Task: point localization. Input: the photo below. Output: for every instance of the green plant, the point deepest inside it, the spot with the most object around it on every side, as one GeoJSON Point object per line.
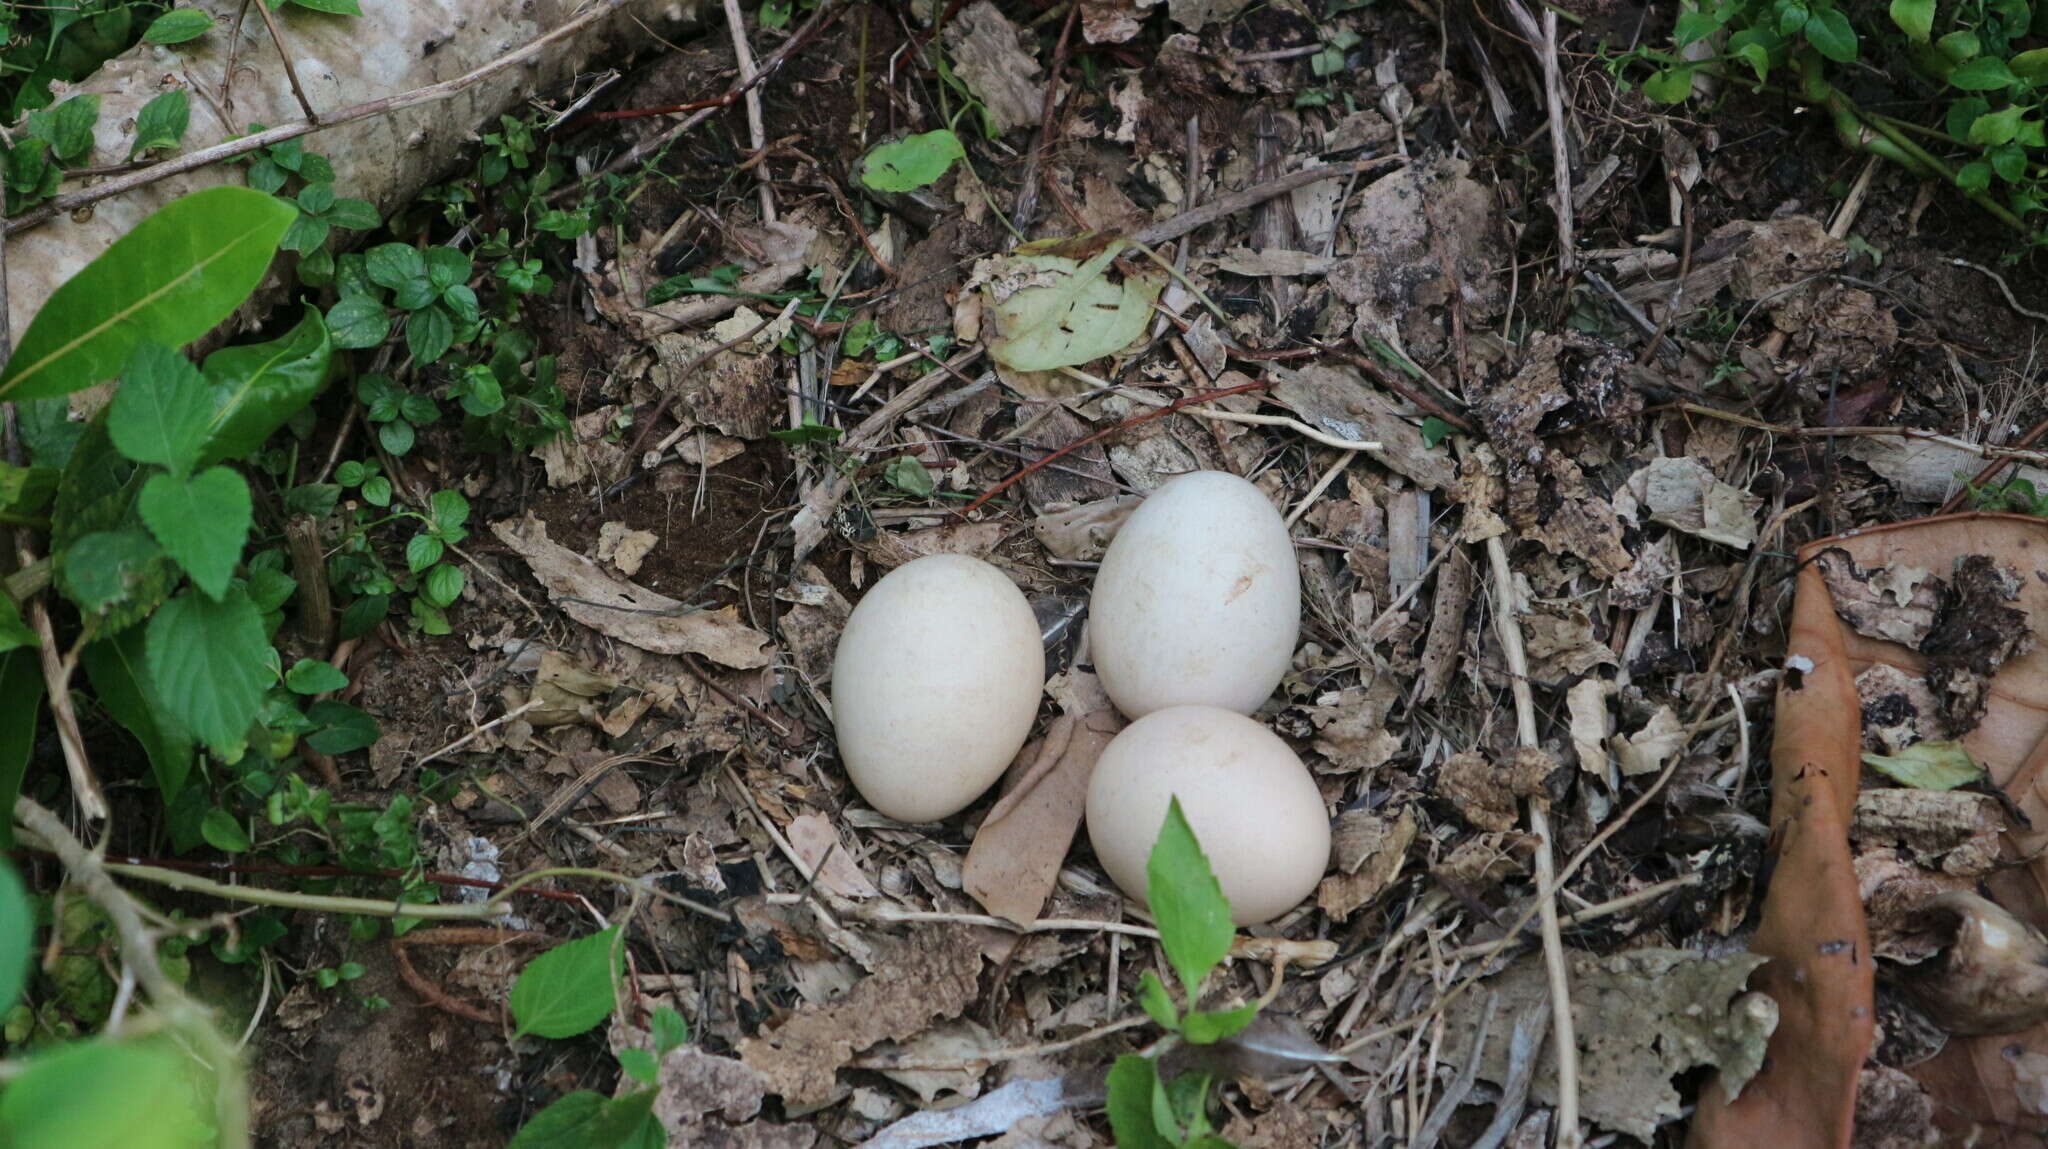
{"type": "Point", "coordinates": [1972, 55]}
{"type": "Point", "coordinates": [41, 44]}
{"type": "Point", "coordinates": [1147, 1111]}
{"type": "Point", "coordinates": [2016, 495]}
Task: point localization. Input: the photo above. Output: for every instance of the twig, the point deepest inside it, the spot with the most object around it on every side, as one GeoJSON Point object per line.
{"type": "Point", "coordinates": [888, 1062]}
{"type": "Point", "coordinates": [284, 53]}
{"type": "Point", "coordinates": [2003, 289]}
{"type": "Point", "coordinates": [1219, 209]}
{"type": "Point", "coordinates": [204, 867]}
{"type": "Point", "coordinates": [1026, 210]}
{"type": "Point", "coordinates": [434, 994]}
{"type": "Point", "coordinates": [70, 202]}
{"type": "Point", "coordinates": [466, 739]}
{"type": "Point", "coordinates": [1543, 41]}
{"type": "Point", "coordinates": [1992, 468]}
{"type": "Point", "coordinates": [757, 132]}
{"type": "Point", "coordinates": [1564, 1042]}
{"type": "Point", "coordinates": [1392, 382]}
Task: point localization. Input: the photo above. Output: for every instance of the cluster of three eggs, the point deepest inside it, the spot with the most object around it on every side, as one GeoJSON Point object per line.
{"type": "Point", "coordinates": [1192, 623]}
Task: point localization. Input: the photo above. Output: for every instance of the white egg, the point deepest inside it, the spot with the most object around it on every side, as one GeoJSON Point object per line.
{"type": "Point", "coordinates": [1198, 600]}
{"type": "Point", "coordinates": [935, 685]}
{"type": "Point", "coordinates": [1250, 801]}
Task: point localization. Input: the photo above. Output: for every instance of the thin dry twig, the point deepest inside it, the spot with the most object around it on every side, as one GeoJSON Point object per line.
{"type": "Point", "coordinates": [1224, 207]}
{"type": "Point", "coordinates": [1543, 41]}
{"type": "Point", "coordinates": [757, 130]}
{"type": "Point", "coordinates": [284, 54]}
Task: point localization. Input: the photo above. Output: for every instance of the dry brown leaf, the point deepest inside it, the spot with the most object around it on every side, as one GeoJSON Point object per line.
{"type": "Point", "coordinates": [1369, 849]}
{"type": "Point", "coordinates": [818, 843]}
{"type": "Point", "coordinates": [704, 1099]}
{"type": "Point", "coordinates": [1591, 724]}
{"type": "Point", "coordinates": [1082, 533]}
{"type": "Point", "coordinates": [627, 611]}
{"type": "Point", "coordinates": [1955, 830]}
{"type": "Point", "coordinates": [1683, 493]}
{"type": "Point", "coordinates": [932, 973]}
{"type": "Point", "coordinates": [1488, 796]}
{"type": "Point", "coordinates": [1338, 401]}
{"type": "Point", "coordinates": [988, 57]}
{"type": "Point", "coordinates": [624, 547]}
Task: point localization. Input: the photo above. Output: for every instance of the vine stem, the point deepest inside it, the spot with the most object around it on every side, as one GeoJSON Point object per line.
{"type": "Point", "coordinates": [191, 1021]}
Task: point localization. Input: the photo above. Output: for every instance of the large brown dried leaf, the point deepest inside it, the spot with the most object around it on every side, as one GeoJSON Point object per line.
{"type": "Point", "coordinates": [628, 611]}
{"type": "Point", "coordinates": [930, 974]}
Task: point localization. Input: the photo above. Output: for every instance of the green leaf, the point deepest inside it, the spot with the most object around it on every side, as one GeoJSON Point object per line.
{"type": "Point", "coordinates": [1187, 902]}
{"type": "Point", "coordinates": [1132, 1082]}
{"type": "Point", "coordinates": [2009, 161]}
{"type": "Point", "coordinates": [429, 334]}
{"type": "Point", "coordinates": [168, 281]}
{"type": "Point", "coordinates": [26, 490]}
{"type": "Point", "coordinates": [312, 676]}
{"type": "Point", "coordinates": [449, 511]}
{"type": "Point", "coordinates": [306, 235]}
{"type": "Point", "coordinates": [358, 321]}
{"type": "Point", "coordinates": [422, 551]}
{"type": "Point", "coordinates": [669, 1028]}
{"type": "Point", "coordinates": [162, 412]}
{"type": "Point", "coordinates": [202, 522]}
{"type": "Point", "coordinates": [257, 387]}
{"type": "Point", "coordinates": [178, 25]}
{"type": "Point", "coordinates": [1435, 430]}
{"type": "Point", "coordinates": [210, 662]}
{"type": "Point", "coordinates": [1158, 1004]}
{"type": "Point", "coordinates": [908, 475]}
{"type": "Point", "coordinates": [1694, 26]}
{"type": "Point", "coordinates": [1829, 32]}
{"type": "Point", "coordinates": [354, 214]}
{"type": "Point", "coordinates": [640, 1065]}
{"type": "Point", "coordinates": [1974, 176]}
{"type": "Point", "coordinates": [17, 932]}
{"type": "Point", "coordinates": [1915, 18]}
{"type": "Point", "coordinates": [224, 832]}
{"type": "Point", "coordinates": [2031, 65]}
{"type": "Point", "coordinates": [1983, 74]}
{"type": "Point", "coordinates": [162, 122]}
{"type": "Point", "coordinates": [447, 267]}
{"type": "Point", "coordinates": [912, 162]}
{"type": "Point", "coordinates": [570, 988]}
{"type": "Point", "coordinates": [15, 633]}
{"type": "Point", "coordinates": [67, 127]}
{"type": "Point", "coordinates": [109, 569]}
{"type": "Point", "coordinates": [332, 7]}
{"type": "Point", "coordinates": [1959, 46]}
{"type": "Point", "coordinates": [1997, 127]}
{"type": "Point", "coordinates": [1928, 766]}
{"type": "Point", "coordinates": [401, 268]}
{"type": "Point", "coordinates": [344, 728]}
{"type": "Point", "coordinates": [21, 704]}
{"type": "Point", "coordinates": [107, 1094]}
{"type": "Point", "coordinates": [397, 436]}
{"type": "Point", "coordinates": [120, 680]}
{"type": "Point", "coordinates": [1757, 57]}
{"type": "Point", "coordinates": [443, 585]}
{"type": "Point", "coordinates": [1670, 86]}
{"type": "Point", "coordinates": [1077, 317]}
{"type": "Point", "coordinates": [1205, 1028]}
{"type": "Point", "coordinates": [586, 1120]}
{"type": "Point", "coordinates": [809, 434]}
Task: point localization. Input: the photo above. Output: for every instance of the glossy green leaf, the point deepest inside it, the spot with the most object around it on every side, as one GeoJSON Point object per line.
{"type": "Point", "coordinates": [120, 573]}
{"type": "Point", "coordinates": [1928, 766]}
{"type": "Point", "coordinates": [120, 680]}
{"type": "Point", "coordinates": [358, 321]}
{"type": "Point", "coordinates": [587, 1120]}
{"type": "Point", "coordinates": [1830, 34]}
{"type": "Point", "coordinates": [106, 1094]}
{"type": "Point", "coordinates": [313, 676]}
{"type": "Point", "coordinates": [17, 933]}
{"type": "Point", "coordinates": [224, 832]}
{"type": "Point", "coordinates": [202, 521]}
{"type": "Point", "coordinates": [1206, 1028]}
{"type": "Point", "coordinates": [21, 704]}
{"type": "Point", "coordinates": [423, 550]}
{"type": "Point", "coordinates": [429, 334]}
{"type": "Point", "coordinates": [1157, 1003]}
{"type": "Point", "coordinates": [570, 988]}
{"type": "Point", "coordinates": [1915, 18]}
{"type": "Point", "coordinates": [168, 281]}
{"type": "Point", "coordinates": [162, 412]}
{"type": "Point", "coordinates": [912, 162]}
{"type": "Point", "coordinates": [1670, 86]}
{"type": "Point", "coordinates": [402, 269]}
{"type": "Point", "coordinates": [1187, 902]}
{"type": "Point", "coordinates": [210, 662]}
{"type": "Point", "coordinates": [178, 25]}
{"type": "Point", "coordinates": [1983, 74]}
{"type": "Point", "coordinates": [443, 585]}
{"type": "Point", "coordinates": [67, 127]}
{"type": "Point", "coordinates": [162, 122]}
{"type": "Point", "coordinates": [257, 387]}
{"type": "Point", "coordinates": [1132, 1082]}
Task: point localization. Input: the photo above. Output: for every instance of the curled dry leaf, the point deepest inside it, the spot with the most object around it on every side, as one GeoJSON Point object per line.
{"type": "Point", "coordinates": [627, 611]}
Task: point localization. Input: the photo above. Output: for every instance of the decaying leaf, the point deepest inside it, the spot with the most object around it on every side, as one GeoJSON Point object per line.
{"type": "Point", "coordinates": [820, 846]}
{"type": "Point", "coordinates": [627, 611]}
{"type": "Point", "coordinates": [1368, 849]}
{"type": "Point", "coordinates": [1928, 766]}
{"type": "Point", "coordinates": [1647, 750]}
{"type": "Point", "coordinates": [988, 57]}
{"type": "Point", "coordinates": [1956, 831]}
{"type": "Point", "coordinates": [930, 974]}
{"type": "Point", "coordinates": [1643, 1017]}
{"type": "Point", "coordinates": [704, 1099]}
{"type": "Point", "coordinates": [1488, 795]}
{"type": "Point", "coordinates": [1683, 493]}
{"type": "Point", "coordinates": [1050, 309]}
{"type": "Point", "coordinates": [1894, 603]}
{"type": "Point", "coordinates": [1081, 533]}
{"type": "Point", "coordinates": [1591, 724]}
{"type": "Point", "coordinates": [624, 547]}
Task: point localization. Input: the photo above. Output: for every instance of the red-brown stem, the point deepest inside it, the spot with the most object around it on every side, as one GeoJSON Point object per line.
{"type": "Point", "coordinates": [195, 867]}
{"type": "Point", "coordinates": [1170, 408]}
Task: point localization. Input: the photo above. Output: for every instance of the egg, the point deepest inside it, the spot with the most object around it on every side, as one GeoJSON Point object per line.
{"type": "Point", "coordinates": [1250, 801]}
{"type": "Point", "coordinates": [935, 684]}
{"type": "Point", "coordinates": [1198, 600]}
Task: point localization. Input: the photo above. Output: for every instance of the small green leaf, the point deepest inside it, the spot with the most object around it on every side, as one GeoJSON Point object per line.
{"type": "Point", "coordinates": [669, 1028]}
{"type": "Point", "coordinates": [15, 633]}
{"type": "Point", "coordinates": [1435, 430]}
{"type": "Point", "coordinates": [587, 1120]}
{"type": "Point", "coordinates": [447, 267]}
{"type": "Point", "coordinates": [429, 334]}
{"type": "Point", "coordinates": [306, 235]}
{"type": "Point", "coordinates": [1928, 766]}
{"type": "Point", "coordinates": [2009, 161]}
{"type": "Point", "coordinates": [570, 988]}
{"type": "Point", "coordinates": [1757, 57]}
{"type": "Point", "coordinates": [403, 270]}
{"type": "Point", "coordinates": [450, 511]}
{"type": "Point", "coordinates": [1205, 1028]}
{"type": "Point", "coordinates": [202, 522]}
{"type": "Point", "coordinates": [912, 162]}
{"type": "Point", "coordinates": [2031, 65]}
{"type": "Point", "coordinates": [810, 433]}
{"type": "Point", "coordinates": [257, 387]}
{"type": "Point", "coordinates": [343, 728]}
{"type": "Point", "coordinates": [1157, 1003]}
{"type": "Point", "coordinates": [1670, 86]}
{"type": "Point", "coordinates": [443, 585]}
{"type": "Point", "coordinates": [354, 214]}
{"type": "Point", "coordinates": [1959, 45]}
{"type": "Point", "coordinates": [120, 680]}
{"type": "Point", "coordinates": [162, 122]}
{"type": "Point", "coordinates": [162, 412]}
{"type": "Point", "coordinates": [108, 569]}
{"type": "Point", "coordinates": [332, 7]}
{"type": "Point", "coordinates": [67, 127]}
{"type": "Point", "coordinates": [312, 676]}
{"type": "Point", "coordinates": [1999, 127]}
{"type": "Point", "coordinates": [178, 25]}
{"type": "Point", "coordinates": [1983, 74]}
{"type": "Point", "coordinates": [1829, 32]}
{"type": "Point", "coordinates": [1974, 176]}
{"type": "Point", "coordinates": [211, 663]}
{"type": "Point", "coordinates": [640, 1065]}
{"type": "Point", "coordinates": [1132, 1082]}
{"type": "Point", "coordinates": [1187, 902]}
{"type": "Point", "coordinates": [908, 475]}
{"type": "Point", "coordinates": [397, 437]}
{"type": "Point", "coordinates": [1915, 18]}
{"type": "Point", "coordinates": [1694, 26]}
{"type": "Point", "coordinates": [17, 933]}
{"type": "Point", "coordinates": [358, 321]}
{"type": "Point", "coordinates": [224, 832]}
{"type": "Point", "coordinates": [168, 281]}
{"type": "Point", "coordinates": [422, 551]}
